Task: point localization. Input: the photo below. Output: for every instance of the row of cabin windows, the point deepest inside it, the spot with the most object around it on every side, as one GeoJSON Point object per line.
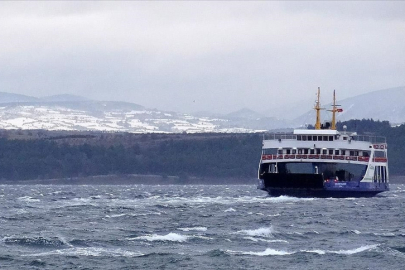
{"type": "Point", "coordinates": [314, 138]}
{"type": "Point", "coordinates": [317, 151]}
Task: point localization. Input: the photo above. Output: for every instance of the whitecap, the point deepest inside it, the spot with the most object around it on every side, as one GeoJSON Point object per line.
{"type": "Point", "coordinates": [201, 229]}
{"type": "Point", "coordinates": [384, 234]}
{"type": "Point", "coordinates": [173, 237]}
{"type": "Point", "coordinates": [283, 199]}
{"type": "Point", "coordinates": [89, 251]}
{"type": "Point", "coordinates": [267, 252]}
{"type": "Point", "coordinates": [356, 250]}
{"type": "Point", "coordinates": [343, 252]}
{"type": "Point", "coordinates": [116, 215]}
{"type": "Point", "coordinates": [275, 215]}
{"type": "Point", "coordinates": [28, 199]}
{"type": "Point", "coordinates": [265, 240]}
{"type": "Point", "coordinates": [265, 232]}
{"type": "Point", "coordinates": [230, 210]}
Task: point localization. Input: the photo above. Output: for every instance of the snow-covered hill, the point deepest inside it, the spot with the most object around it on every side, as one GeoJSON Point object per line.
{"type": "Point", "coordinates": [66, 112]}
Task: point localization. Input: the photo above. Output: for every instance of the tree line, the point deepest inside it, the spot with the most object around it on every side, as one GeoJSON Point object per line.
{"type": "Point", "coordinates": [201, 155]}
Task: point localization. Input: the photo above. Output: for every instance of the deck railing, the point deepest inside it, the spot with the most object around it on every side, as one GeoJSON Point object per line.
{"type": "Point", "coordinates": [316, 156]}
{"type": "Point", "coordinates": [291, 136]}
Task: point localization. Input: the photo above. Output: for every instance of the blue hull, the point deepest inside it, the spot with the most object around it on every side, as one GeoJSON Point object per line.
{"type": "Point", "coordinates": [321, 193]}
{"type": "Point", "coordinates": [312, 185]}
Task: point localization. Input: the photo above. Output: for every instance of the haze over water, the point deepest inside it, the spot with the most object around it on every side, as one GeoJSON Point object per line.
{"type": "Point", "coordinates": [196, 226]}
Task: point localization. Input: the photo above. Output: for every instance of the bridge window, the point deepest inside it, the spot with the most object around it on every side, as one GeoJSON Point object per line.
{"type": "Point", "coordinates": [319, 138]}
{"type": "Point", "coordinates": [379, 154]}
{"type": "Point", "coordinates": [354, 153]}
{"type": "Point", "coordinates": [330, 138]}
{"type": "Point", "coordinates": [269, 151]}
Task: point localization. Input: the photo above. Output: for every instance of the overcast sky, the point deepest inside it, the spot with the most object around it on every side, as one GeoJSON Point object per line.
{"type": "Point", "coordinates": [202, 56]}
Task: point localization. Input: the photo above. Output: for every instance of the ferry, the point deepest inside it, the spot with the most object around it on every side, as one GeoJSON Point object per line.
{"type": "Point", "coordinates": [323, 162]}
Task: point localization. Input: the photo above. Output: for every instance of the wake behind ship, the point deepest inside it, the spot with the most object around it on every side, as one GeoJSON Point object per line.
{"type": "Point", "coordinates": [323, 162]}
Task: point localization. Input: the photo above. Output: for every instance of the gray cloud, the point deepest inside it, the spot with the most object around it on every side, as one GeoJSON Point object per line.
{"type": "Point", "coordinates": [192, 56]}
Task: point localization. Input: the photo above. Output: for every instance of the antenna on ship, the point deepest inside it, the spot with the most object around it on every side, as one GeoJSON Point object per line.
{"type": "Point", "coordinates": [334, 111]}
{"type": "Point", "coordinates": [318, 110]}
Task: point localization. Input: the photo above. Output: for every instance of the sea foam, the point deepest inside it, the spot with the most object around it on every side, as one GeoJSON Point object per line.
{"type": "Point", "coordinates": [267, 252]}
{"type": "Point", "coordinates": [89, 251]}
{"type": "Point", "coordinates": [275, 252]}
{"type": "Point", "coordinates": [201, 229]}
{"type": "Point", "coordinates": [264, 232]}
{"type": "Point", "coordinates": [343, 252]}
{"type": "Point", "coordinates": [173, 237]}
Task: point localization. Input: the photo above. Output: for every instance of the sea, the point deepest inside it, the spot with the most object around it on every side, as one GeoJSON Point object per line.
{"type": "Point", "coordinates": [196, 227]}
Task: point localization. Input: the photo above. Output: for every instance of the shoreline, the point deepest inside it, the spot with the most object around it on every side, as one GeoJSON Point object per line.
{"type": "Point", "coordinates": [135, 179]}
{"type": "Point", "coordinates": [138, 179]}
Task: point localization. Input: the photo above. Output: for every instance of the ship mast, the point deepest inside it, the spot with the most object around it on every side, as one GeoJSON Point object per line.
{"type": "Point", "coordinates": [318, 111]}
{"type": "Point", "coordinates": [334, 111]}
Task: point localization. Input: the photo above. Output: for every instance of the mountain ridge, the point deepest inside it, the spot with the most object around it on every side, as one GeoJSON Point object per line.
{"type": "Point", "coordinates": [70, 112]}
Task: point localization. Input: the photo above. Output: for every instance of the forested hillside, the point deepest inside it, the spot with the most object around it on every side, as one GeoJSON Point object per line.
{"type": "Point", "coordinates": [202, 155]}
{"type": "Point", "coordinates": [48, 155]}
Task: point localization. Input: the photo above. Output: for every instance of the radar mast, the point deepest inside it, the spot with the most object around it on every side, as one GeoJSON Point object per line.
{"type": "Point", "coordinates": [334, 110]}
{"type": "Point", "coordinates": [318, 110]}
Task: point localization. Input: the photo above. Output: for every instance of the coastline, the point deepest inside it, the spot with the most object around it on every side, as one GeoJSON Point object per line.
{"type": "Point", "coordinates": [139, 179]}
{"type": "Point", "coordinates": [135, 179]}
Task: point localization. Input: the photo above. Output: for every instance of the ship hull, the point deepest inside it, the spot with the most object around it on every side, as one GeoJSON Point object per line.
{"type": "Point", "coordinates": [313, 185]}
{"type": "Point", "coordinates": [319, 193]}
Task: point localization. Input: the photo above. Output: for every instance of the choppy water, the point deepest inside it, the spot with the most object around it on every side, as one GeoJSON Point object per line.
{"type": "Point", "coordinates": [196, 227]}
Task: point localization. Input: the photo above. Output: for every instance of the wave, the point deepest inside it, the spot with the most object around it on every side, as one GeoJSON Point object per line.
{"type": "Point", "coordinates": [35, 241]}
{"type": "Point", "coordinates": [28, 199]}
{"type": "Point", "coordinates": [89, 251]}
{"type": "Point", "coordinates": [133, 214]}
{"type": "Point", "coordinates": [168, 202]}
{"type": "Point", "coordinates": [275, 252]}
{"type": "Point", "coordinates": [343, 252]}
{"type": "Point", "coordinates": [172, 237]}
{"type": "Point", "coordinates": [201, 229]}
{"type": "Point", "coordinates": [385, 234]}
{"type": "Point", "coordinates": [282, 199]}
{"type": "Point", "coordinates": [264, 232]}
{"type": "Point", "coordinates": [265, 240]}
{"type": "Point", "coordinates": [267, 252]}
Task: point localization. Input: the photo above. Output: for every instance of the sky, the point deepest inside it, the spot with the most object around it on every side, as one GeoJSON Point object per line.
{"type": "Point", "coordinates": [202, 56]}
